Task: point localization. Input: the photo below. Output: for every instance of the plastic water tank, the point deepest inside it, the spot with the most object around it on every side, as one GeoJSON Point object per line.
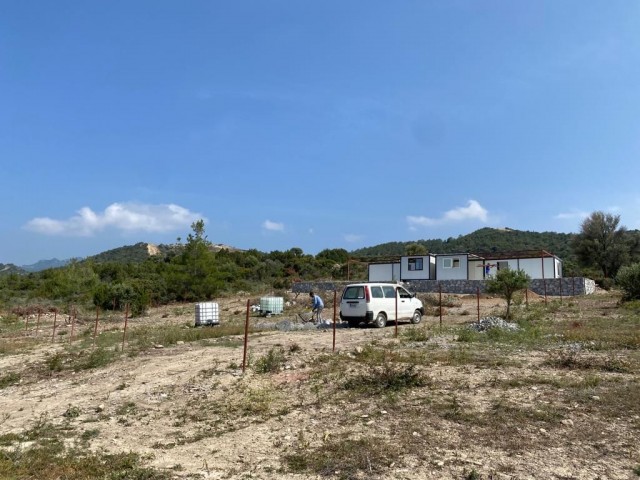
{"type": "Point", "coordinates": [207, 313]}
{"type": "Point", "coordinates": [272, 305]}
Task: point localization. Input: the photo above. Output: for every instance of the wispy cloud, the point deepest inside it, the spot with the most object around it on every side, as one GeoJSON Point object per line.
{"type": "Point", "coordinates": [273, 226]}
{"type": "Point", "coordinates": [127, 217]}
{"type": "Point", "coordinates": [352, 238]}
{"type": "Point", "coordinates": [473, 211]}
{"type": "Point", "coordinates": [572, 215]}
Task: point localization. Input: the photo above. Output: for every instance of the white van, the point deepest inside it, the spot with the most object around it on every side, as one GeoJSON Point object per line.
{"type": "Point", "coordinates": [377, 302]}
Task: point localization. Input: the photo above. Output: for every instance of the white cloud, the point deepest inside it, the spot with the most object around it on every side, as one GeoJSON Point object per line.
{"type": "Point", "coordinates": [573, 215]}
{"type": "Point", "coordinates": [273, 226]}
{"type": "Point", "coordinates": [127, 217]}
{"type": "Point", "coordinates": [352, 238]}
{"type": "Point", "coordinates": [473, 211]}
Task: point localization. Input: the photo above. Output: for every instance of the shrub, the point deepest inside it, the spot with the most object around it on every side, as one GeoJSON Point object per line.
{"type": "Point", "coordinates": [272, 362]}
{"type": "Point", "coordinates": [506, 283]}
{"type": "Point", "coordinates": [628, 279]}
{"type": "Point", "coordinates": [10, 378]}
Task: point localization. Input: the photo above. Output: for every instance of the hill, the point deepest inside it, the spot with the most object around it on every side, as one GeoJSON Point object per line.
{"type": "Point", "coordinates": [142, 251]}
{"type": "Point", "coordinates": [483, 240]}
{"type": "Point", "coordinates": [44, 265]}
{"type": "Point", "coordinates": [9, 268]}
{"type": "Point", "coordinates": [137, 253]}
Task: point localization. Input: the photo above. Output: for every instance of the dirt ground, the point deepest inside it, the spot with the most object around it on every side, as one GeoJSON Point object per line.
{"type": "Point", "coordinates": [190, 409]}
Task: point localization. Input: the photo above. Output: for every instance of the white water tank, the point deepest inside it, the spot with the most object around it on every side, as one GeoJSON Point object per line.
{"type": "Point", "coordinates": [207, 313]}
{"type": "Point", "coordinates": [271, 305]}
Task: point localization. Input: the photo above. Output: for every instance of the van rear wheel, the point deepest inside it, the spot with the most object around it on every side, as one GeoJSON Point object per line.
{"type": "Point", "coordinates": [381, 320]}
{"type": "Point", "coordinates": [417, 317]}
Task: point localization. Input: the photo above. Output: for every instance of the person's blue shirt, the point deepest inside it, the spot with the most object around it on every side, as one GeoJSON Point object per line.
{"type": "Point", "coordinates": [317, 302]}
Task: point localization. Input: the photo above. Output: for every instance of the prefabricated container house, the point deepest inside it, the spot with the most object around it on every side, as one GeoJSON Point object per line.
{"type": "Point", "coordinates": [384, 272]}
{"type": "Point", "coordinates": [418, 267]}
{"type": "Point", "coordinates": [538, 264]}
{"type": "Point", "coordinates": [413, 267]}
{"type": "Point", "coordinates": [457, 266]}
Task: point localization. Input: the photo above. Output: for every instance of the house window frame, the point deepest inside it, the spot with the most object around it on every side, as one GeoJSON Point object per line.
{"type": "Point", "coordinates": [415, 264]}
{"type": "Point", "coordinates": [452, 262]}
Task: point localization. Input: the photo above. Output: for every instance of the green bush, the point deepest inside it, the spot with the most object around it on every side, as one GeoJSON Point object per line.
{"type": "Point", "coordinates": [272, 362]}
{"type": "Point", "coordinates": [628, 279]}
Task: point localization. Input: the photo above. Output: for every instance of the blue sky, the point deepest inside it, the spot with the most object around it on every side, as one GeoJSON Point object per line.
{"type": "Point", "coordinates": [329, 124]}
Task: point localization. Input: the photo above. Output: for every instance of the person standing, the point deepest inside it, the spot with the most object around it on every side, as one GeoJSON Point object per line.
{"type": "Point", "coordinates": [317, 305]}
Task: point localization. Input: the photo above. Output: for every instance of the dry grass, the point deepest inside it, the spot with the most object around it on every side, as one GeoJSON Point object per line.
{"type": "Point", "coordinates": [559, 395]}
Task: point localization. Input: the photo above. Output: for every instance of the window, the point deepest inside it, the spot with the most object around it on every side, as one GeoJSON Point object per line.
{"type": "Point", "coordinates": [503, 265]}
{"type": "Point", "coordinates": [376, 292]}
{"type": "Point", "coordinates": [415, 264]}
{"type": "Point", "coordinates": [403, 293]}
{"type": "Point", "coordinates": [353, 293]}
{"type": "Point", "coordinates": [450, 263]}
{"type": "Point", "coordinates": [389, 291]}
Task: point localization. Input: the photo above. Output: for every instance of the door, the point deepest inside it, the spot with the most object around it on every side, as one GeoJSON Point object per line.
{"type": "Point", "coordinates": [405, 303]}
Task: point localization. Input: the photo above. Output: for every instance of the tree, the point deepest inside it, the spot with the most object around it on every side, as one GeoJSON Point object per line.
{"type": "Point", "coordinates": [416, 249]}
{"type": "Point", "coordinates": [628, 279]}
{"type": "Point", "coordinates": [602, 243]}
{"type": "Point", "coordinates": [506, 283]}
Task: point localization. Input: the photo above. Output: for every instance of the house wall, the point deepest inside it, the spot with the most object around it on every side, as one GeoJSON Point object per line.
{"type": "Point", "coordinates": [384, 272]}
{"type": "Point", "coordinates": [558, 267]}
{"type": "Point", "coordinates": [533, 267]}
{"type": "Point", "coordinates": [476, 270]}
{"type": "Point", "coordinates": [459, 273]}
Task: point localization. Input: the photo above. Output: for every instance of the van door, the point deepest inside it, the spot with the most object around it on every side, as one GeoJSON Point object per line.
{"type": "Point", "coordinates": [390, 297]}
{"type": "Point", "coordinates": [354, 303]}
{"type": "Point", "coordinates": [405, 303]}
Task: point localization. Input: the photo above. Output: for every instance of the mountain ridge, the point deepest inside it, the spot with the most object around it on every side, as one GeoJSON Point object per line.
{"type": "Point", "coordinates": [482, 240]}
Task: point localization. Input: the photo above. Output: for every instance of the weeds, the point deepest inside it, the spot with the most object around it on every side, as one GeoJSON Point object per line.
{"type": "Point", "coordinates": [54, 461]}
{"type": "Point", "coordinates": [386, 378]}
{"type": "Point", "coordinates": [416, 334]}
{"type": "Point", "coordinates": [9, 379]}
{"type": "Point", "coordinates": [71, 412]}
{"type": "Point", "coordinates": [571, 359]}
{"type": "Point", "coordinates": [343, 458]}
{"type": "Point", "coordinates": [272, 362]}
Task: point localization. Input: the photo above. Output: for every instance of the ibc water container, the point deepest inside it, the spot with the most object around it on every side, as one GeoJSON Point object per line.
{"type": "Point", "coordinates": [272, 305]}
{"type": "Point", "coordinates": [207, 313]}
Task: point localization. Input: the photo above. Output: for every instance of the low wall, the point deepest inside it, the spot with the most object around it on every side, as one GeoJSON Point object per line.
{"type": "Point", "coordinates": [555, 287]}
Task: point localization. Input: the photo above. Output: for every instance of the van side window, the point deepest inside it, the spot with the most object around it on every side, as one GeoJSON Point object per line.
{"type": "Point", "coordinates": [376, 292]}
{"type": "Point", "coordinates": [353, 293]}
{"type": "Point", "coordinates": [389, 291]}
{"type": "Point", "coordinates": [403, 293]}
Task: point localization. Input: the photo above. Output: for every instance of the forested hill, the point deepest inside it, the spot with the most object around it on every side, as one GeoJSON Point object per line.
{"type": "Point", "coordinates": [9, 268]}
{"type": "Point", "coordinates": [483, 240]}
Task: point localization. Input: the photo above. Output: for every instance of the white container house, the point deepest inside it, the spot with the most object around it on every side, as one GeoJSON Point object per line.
{"type": "Point", "coordinates": [456, 266]}
{"type": "Point", "coordinates": [418, 267]}
{"type": "Point", "coordinates": [538, 264]}
{"type": "Point", "coordinates": [384, 272]}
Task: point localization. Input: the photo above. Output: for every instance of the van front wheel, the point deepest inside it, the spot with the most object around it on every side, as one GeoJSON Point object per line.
{"type": "Point", "coordinates": [417, 317]}
{"type": "Point", "coordinates": [381, 320]}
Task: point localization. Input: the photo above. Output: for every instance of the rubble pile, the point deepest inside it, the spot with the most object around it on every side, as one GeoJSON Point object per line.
{"type": "Point", "coordinates": [487, 323]}
{"type": "Point", "coordinates": [291, 325]}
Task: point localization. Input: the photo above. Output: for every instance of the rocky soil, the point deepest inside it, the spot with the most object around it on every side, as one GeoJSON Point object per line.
{"type": "Point", "coordinates": [479, 412]}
